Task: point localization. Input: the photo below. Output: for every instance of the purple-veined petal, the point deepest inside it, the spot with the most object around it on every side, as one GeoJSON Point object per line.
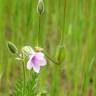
{"type": "Point", "coordinates": [43, 62]}
{"type": "Point", "coordinates": [36, 59]}
{"type": "Point", "coordinates": [39, 59]}
{"type": "Point", "coordinates": [39, 56]}
{"type": "Point", "coordinates": [30, 63]}
{"type": "Point", "coordinates": [36, 68]}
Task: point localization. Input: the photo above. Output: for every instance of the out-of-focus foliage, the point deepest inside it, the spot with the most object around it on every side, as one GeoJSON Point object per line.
{"type": "Point", "coordinates": [66, 24]}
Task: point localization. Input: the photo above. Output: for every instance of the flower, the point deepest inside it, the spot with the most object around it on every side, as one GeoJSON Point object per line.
{"type": "Point", "coordinates": [36, 60]}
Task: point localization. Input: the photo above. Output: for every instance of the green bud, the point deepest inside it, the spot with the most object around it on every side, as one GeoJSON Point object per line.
{"type": "Point", "coordinates": [27, 50]}
{"type": "Point", "coordinates": [40, 7]}
{"type": "Point", "coordinates": [12, 48]}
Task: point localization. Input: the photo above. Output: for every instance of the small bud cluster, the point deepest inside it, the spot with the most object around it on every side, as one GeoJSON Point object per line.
{"type": "Point", "coordinates": [26, 51]}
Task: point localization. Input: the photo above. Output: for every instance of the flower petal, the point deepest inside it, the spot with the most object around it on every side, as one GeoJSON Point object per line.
{"type": "Point", "coordinates": [29, 63]}
{"type": "Point", "coordinates": [41, 54]}
{"type": "Point", "coordinates": [43, 62]}
{"type": "Point", "coordinates": [36, 68]}
{"type": "Point", "coordinates": [39, 59]}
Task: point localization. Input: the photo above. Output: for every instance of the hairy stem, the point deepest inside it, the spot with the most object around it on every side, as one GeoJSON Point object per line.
{"type": "Point", "coordinates": [24, 77]}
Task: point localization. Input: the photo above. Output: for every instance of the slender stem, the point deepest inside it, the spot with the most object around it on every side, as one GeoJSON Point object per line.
{"type": "Point", "coordinates": [38, 31]}
{"type": "Point", "coordinates": [50, 58]}
{"type": "Point", "coordinates": [62, 32]}
{"type": "Point", "coordinates": [24, 77]}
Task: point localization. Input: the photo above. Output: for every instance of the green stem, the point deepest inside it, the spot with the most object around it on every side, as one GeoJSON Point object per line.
{"type": "Point", "coordinates": [24, 76]}
{"type": "Point", "coordinates": [38, 31]}
{"type": "Point", "coordinates": [50, 58]}
{"type": "Point", "coordinates": [62, 32]}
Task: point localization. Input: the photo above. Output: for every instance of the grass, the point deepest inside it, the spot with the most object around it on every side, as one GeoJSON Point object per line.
{"type": "Point", "coordinates": [67, 33]}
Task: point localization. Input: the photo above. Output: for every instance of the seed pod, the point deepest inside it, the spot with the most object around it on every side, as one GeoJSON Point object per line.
{"type": "Point", "coordinates": [12, 48]}
{"type": "Point", "coordinates": [40, 7]}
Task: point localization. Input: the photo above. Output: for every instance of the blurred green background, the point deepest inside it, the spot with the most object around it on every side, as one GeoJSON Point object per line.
{"type": "Point", "coordinates": [66, 25]}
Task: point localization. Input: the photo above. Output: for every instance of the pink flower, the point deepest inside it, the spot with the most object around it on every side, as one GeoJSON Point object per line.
{"type": "Point", "coordinates": [36, 60]}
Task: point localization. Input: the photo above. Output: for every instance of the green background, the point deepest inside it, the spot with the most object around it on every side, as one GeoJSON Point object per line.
{"type": "Point", "coordinates": [68, 35]}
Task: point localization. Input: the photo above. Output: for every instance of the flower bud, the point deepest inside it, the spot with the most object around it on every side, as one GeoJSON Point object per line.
{"type": "Point", "coordinates": [27, 50]}
{"type": "Point", "coordinates": [40, 7]}
{"type": "Point", "coordinates": [12, 48]}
